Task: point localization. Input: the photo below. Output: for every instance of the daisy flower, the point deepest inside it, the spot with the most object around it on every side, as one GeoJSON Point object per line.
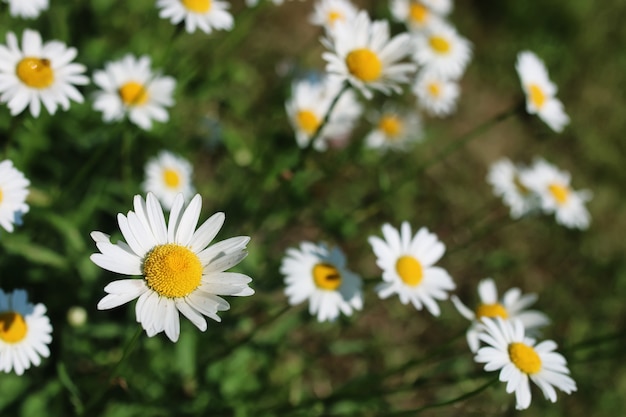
{"type": "Point", "coordinates": [179, 271]}
{"type": "Point", "coordinates": [540, 91]}
{"type": "Point", "coordinates": [205, 15]}
{"type": "Point", "coordinates": [328, 12]}
{"type": "Point", "coordinates": [407, 263]}
{"type": "Point", "coordinates": [441, 7]}
{"type": "Point", "coordinates": [168, 175]}
{"type": "Point", "coordinates": [27, 9]}
{"type": "Point", "coordinates": [319, 274]}
{"type": "Point", "coordinates": [442, 50]}
{"type": "Point", "coordinates": [556, 196]}
{"type": "Point", "coordinates": [39, 73]}
{"type": "Point", "coordinates": [25, 332]}
{"type": "Point", "coordinates": [363, 54]}
{"type": "Point", "coordinates": [436, 95]}
{"type": "Point", "coordinates": [415, 14]}
{"type": "Point", "coordinates": [13, 193]}
{"type": "Point", "coordinates": [505, 178]}
{"type": "Point", "coordinates": [130, 87]}
{"type": "Point", "coordinates": [512, 306]}
{"type": "Point", "coordinates": [519, 360]}
{"type": "Point", "coordinates": [395, 130]}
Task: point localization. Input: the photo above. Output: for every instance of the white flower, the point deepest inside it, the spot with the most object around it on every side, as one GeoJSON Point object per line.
{"type": "Point", "coordinates": [328, 12]}
{"type": "Point", "coordinates": [442, 7]}
{"type": "Point", "coordinates": [319, 274]}
{"type": "Point", "coordinates": [363, 54]}
{"type": "Point", "coordinates": [407, 263]}
{"type": "Point", "coordinates": [415, 14]}
{"type": "Point", "coordinates": [436, 94]}
{"type": "Point", "coordinates": [395, 130]}
{"type": "Point", "coordinates": [442, 50]}
{"type": "Point", "coordinates": [39, 73]}
{"type": "Point", "coordinates": [25, 332]}
{"type": "Point", "coordinates": [512, 306]}
{"type": "Point", "coordinates": [27, 9]}
{"type": "Point", "coordinates": [556, 195]}
{"type": "Point", "coordinates": [180, 271]}
{"type": "Point", "coordinates": [506, 180]}
{"type": "Point", "coordinates": [13, 193]}
{"type": "Point", "coordinates": [519, 359]}
{"type": "Point", "coordinates": [168, 175]}
{"type": "Point", "coordinates": [540, 91]}
{"type": "Point", "coordinates": [205, 15]}
{"type": "Point", "coordinates": [130, 87]}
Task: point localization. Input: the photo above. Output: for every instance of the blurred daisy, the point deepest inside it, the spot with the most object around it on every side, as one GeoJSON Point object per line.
{"type": "Point", "coordinates": [436, 94]}
{"type": "Point", "coordinates": [180, 271]}
{"type": "Point", "coordinates": [505, 178]}
{"type": "Point", "coordinates": [415, 14]}
{"type": "Point", "coordinates": [407, 263]}
{"type": "Point", "coordinates": [519, 360]}
{"type": "Point", "coordinates": [13, 193]}
{"type": "Point", "coordinates": [130, 87]}
{"type": "Point", "coordinates": [27, 9]}
{"type": "Point", "coordinates": [363, 54]}
{"type": "Point", "coordinates": [540, 91]}
{"type": "Point", "coordinates": [25, 332]}
{"type": "Point", "coordinates": [319, 274]}
{"type": "Point", "coordinates": [512, 306]}
{"type": "Point", "coordinates": [205, 15]}
{"type": "Point", "coordinates": [441, 7]}
{"type": "Point", "coordinates": [442, 50]}
{"type": "Point", "coordinates": [168, 175]}
{"type": "Point", "coordinates": [395, 130]}
{"type": "Point", "coordinates": [39, 73]}
{"type": "Point", "coordinates": [328, 12]}
{"type": "Point", "coordinates": [555, 194]}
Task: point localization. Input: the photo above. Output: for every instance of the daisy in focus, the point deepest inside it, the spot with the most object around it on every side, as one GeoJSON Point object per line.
{"type": "Point", "coordinates": [130, 87]}
{"type": "Point", "coordinates": [13, 193]}
{"type": "Point", "coordinates": [180, 271]}
{"type": "Point", "coordinates": [395, 130]}
{"type": "Point", "coordinates": [505, 178]}
{"type": "Point", "coordinates": [25, 332]}
{"type": "Point", "coordinates": [320, 274]}
{"type": "Point", "coordinates": [415, 14]}
{"type": "Point", "coordinates": [408, 267]}
{"type": "Point", "coordinates": [512, 306]}
{"type": "Point", "coordinates": [328, 12]}
{"type": "Point", "coordinates": [442, 50]}
{"type": "Point", "coordinates": [436, 95]}
{"type": "Point", "coordinates": [27, 9]}
{"type": "Point", "coordinates": [520, 359]}
{"type": "Point", "coordinates": [168, 175]}
{"type": "Point", "coordinates": [540, 91]}
{"type": "Point", "coordinates": [205, 15]}
{"type": "Point", "coordinates": [363, 54]}
{"type": "Point", "coordinates": [38, 73]}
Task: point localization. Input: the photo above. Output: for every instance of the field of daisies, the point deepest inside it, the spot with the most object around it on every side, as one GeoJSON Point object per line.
{"type": "Point", "coordinates": [312, 208]}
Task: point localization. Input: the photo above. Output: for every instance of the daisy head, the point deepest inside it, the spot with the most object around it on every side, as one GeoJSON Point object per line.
{"type": "Point", "coordinates": [130, 87]}
{"type": "Point", "coordinates": [168, 175]}
{"type": "Point", "coordinates": [13, 193]}
{"type": "Point", "coordinates": [512, 306]}
{"type": "Point", "coordinates": [540, 91]}
{"type": "Point", "coordinates": [441, 7]}
{"type": "Point", "coordinates": [25, 332]}
{"type": "Point", "coordinates": [320, 274]}
{"type": "Point", "coordinates": [415, 14]}
{"type": "Point", "coordinates": [396, 130]}
{"type": "Point", "coordinates": [441, 49]}
{"type": "Point", "coordinates": [407, 262]}
{"type": "Point", "coordinates": [27, 9]}
{"type": "Point", "coordinates": [436, 95]}
{"type": "Point", "coordinates": [327, 13]}
{"type": "Point", "coordinates": [205, 15]}
{"type": "Point", "coordinates": [179, 271]}
{"type": "Point", "coordinates": [363, 54]}
{"type": "Point", "coordinates": [506, 180]}
{"type": "Point", "coordinates": [38, 73]}
{"type": "Point", "coordinates": [519, 360]}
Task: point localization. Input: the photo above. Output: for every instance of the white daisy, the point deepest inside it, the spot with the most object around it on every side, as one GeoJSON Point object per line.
{"type": "Point", "coordinates": [180, 271]}
{"type": "Point", "coordinates": [328, 12]}
{"type": "Point", "coordinates": [441, 49]}
{"type": "Point", "coordinates": [363, 54]}
{"type": "Point", "coordinates": [39, 73]}
{"type": "Point", "coordinates": [441, 7]}
{"type": "Point", "coordinates": [395, 130]}
{"type": "Point", "coordinates": [415, 14]}
{"type": "Point", "coordinates": [556, 195]}
{"type": "Point", "coordinates": [540, 91]}
{"type": "Point", "coordinates": [27, 9]}
{"type": "Point", "coordinates": [407, 263]}
{"type": "Point", "coordinates": [319, 274]}
{"type": "Point", "coordinates": [168, 175]}
{"type": "Point", "coordinates": [512, 306]}
{"type": "Point", "coordinates": [13, 193]}
{"type": "Point", "coordinates": [25, 332]}
{"type": "Point", "coordinates": [519, 360]}
{"type": "Point", "coordinates": [205, 15]}
{"type": "Point", "coordinates": [505, 178]}
{"type": "Point", "coordinates": [436, 94]}
{"type": "Point", "coordinates": [130, 87]}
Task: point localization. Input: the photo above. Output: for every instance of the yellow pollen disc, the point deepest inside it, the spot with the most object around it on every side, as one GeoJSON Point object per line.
{"type": "Point", "coordinates": [439, 44]}
{"type": "Point", "coordinates": [525, 358]}
{"type": "Point", "coordinates": [35, 72]}
{"type": "Point", "coordinates": [197, 6]}
{"type": "Point", "coordinates": [308, 121]}
{"type": "Point", "coordinates": [537, 97]}
{"type": "Point", "coordinates": [133, 94]}
{"type": "Point", "coordinates": [391, 126]}
{"type": "Point", "coordinates": [171, 178]}
{"type": "Point", "coordinates": [326, 276]}
{"type": "Point", "coordinates": [333, 16]}
{"type": "Point", "coordinates": [418, 12]}
{"type": "Point", "coordinates": [13, 328]}
{"type": "Point", "coordinates": [172, 270]}
{"type": "Point", "coordinates": [0, 196]}
{"type": "Point", "coordinates": [434, 89]}
{"type": "Point", "coordinates": [559, 192]}
{"type": "Point", "coordinates": [491, 310]}
{"type": "Point", "coordinates": [410, 270]}
{"type": "Point", "coordinates": [364, 65]}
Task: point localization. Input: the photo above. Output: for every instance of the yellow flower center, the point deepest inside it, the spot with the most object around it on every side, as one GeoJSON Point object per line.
{"type": "Point", "coordinates": [364, 65]}
{"type": "Point", "coordinates": [418, 12]}
{"type": "Point", "coordinates": [35, 72]}
{"type": "Point", "coordinates": [0, 196]}
{"type": "Point", "coordinates": [559, 192]}
{"type": "Point", "coordinates": [525, 358]}
{"type": "Point", "coordinates": [13, 328]}
{"type": "Point", "coordinates": [172, 270]}
{"type": "Point", "coordinates": [537, 96]}
{"type": "Point", "coordinates": [439, 44]}
{"type": "Point", "coordinates": [434, 89]}
{"type": "Point", "coordinates": [491, 310]}
{"type": "Point", "coordinates": [308, 121]}
{"type": "Point", "coordinates": [171, 178]}
{"type": "Point", "coordinates": [391, 126]}
{"type": "Point", "coordinates": [133, 94]}
{"type": "Point", "coordinates": [333, 16]}
{"type": "Point", "coordinates": [326, 276]}
{"type": "Point", "coordinates": [197, 6]}
{"type": "Point", "coordinates": [410, 270]}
